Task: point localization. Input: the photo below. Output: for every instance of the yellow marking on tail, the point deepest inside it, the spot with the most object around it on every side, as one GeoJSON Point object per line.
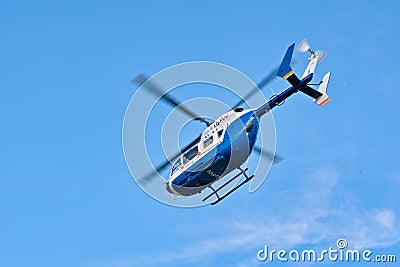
{"type": "Point", "coordinates": [288, 74]}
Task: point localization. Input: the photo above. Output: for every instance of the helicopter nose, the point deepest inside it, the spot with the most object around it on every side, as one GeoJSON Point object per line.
{"type": "Point", "coordinates": [168, 187]}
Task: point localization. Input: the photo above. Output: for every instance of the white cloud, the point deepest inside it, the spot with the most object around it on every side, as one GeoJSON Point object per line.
{"type": "Point", "coordinates": [386, 218]}
{"type": "Point", "coordinates": [318, 212]}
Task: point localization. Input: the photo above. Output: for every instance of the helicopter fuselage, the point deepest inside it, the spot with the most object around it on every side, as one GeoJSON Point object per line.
{"type": "Point", "coordinates": [224, 146]}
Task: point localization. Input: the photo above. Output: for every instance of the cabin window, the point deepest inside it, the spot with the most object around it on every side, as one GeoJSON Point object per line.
{"type": "Point", "coordinates": [207, 142]}
{"type": "Point", "coordinates": [190, 154]}
{"type": "Point", "coordinates": [176, 166]}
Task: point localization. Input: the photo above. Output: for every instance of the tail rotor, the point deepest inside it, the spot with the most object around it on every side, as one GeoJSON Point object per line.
{"type": "Point", "coordinates": [304, 46]}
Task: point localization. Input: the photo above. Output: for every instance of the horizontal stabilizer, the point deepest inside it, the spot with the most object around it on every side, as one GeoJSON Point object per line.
{"type": "Point", "coordinates": [324, 98]}
{"type": "Point", "coordinates": [310, 92]}
{"type": "Point", "coordinates": [320, 96]}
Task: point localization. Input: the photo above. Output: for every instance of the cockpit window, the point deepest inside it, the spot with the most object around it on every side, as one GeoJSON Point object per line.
{"type": "Point", "coordinates": [207, 142]}
{"type": "Point", "coordinates": [189, 155]}
{"type": "Point", "coordinates": [176, 166]}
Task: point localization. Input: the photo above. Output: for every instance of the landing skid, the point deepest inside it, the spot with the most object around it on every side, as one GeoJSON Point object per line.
{"type": "Point", "coordinates": [215, 191]}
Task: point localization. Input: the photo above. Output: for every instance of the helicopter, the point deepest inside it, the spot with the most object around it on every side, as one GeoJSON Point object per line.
{"type": "Point", "coordinates": [228, 141]}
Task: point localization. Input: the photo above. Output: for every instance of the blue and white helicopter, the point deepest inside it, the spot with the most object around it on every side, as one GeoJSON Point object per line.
{"type": "Point", "coordinates": [227, 142]}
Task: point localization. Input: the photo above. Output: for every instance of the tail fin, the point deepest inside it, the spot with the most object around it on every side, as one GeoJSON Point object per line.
{"type": "Point", "coordinates": [316, 56]}
{"type": "Point", "coordinates": [324, 98]}
{"type": "Point", "coordinates": [285, 70]}
{"type": "Point", "coordinates": [311, 65]}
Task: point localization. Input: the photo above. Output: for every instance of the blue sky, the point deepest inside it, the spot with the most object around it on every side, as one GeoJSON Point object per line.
{"type": "Point", "coordinates": [66, 195]}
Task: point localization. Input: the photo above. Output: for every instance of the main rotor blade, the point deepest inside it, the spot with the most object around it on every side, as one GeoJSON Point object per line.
{"type": "Point", "coordinates": [146, 179]}
{"type": "Point", "coordinates": [141, 79]}
{"type": "Point", "coordinates": [267, 79]}
{"type": "Point", "coordinates": [275, 157]}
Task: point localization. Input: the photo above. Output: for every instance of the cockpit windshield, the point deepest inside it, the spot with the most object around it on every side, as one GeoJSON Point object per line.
{"type": "Point", "coordinates": [176, 166]}
{"type": "Point", "coordinates": [190, 154]}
